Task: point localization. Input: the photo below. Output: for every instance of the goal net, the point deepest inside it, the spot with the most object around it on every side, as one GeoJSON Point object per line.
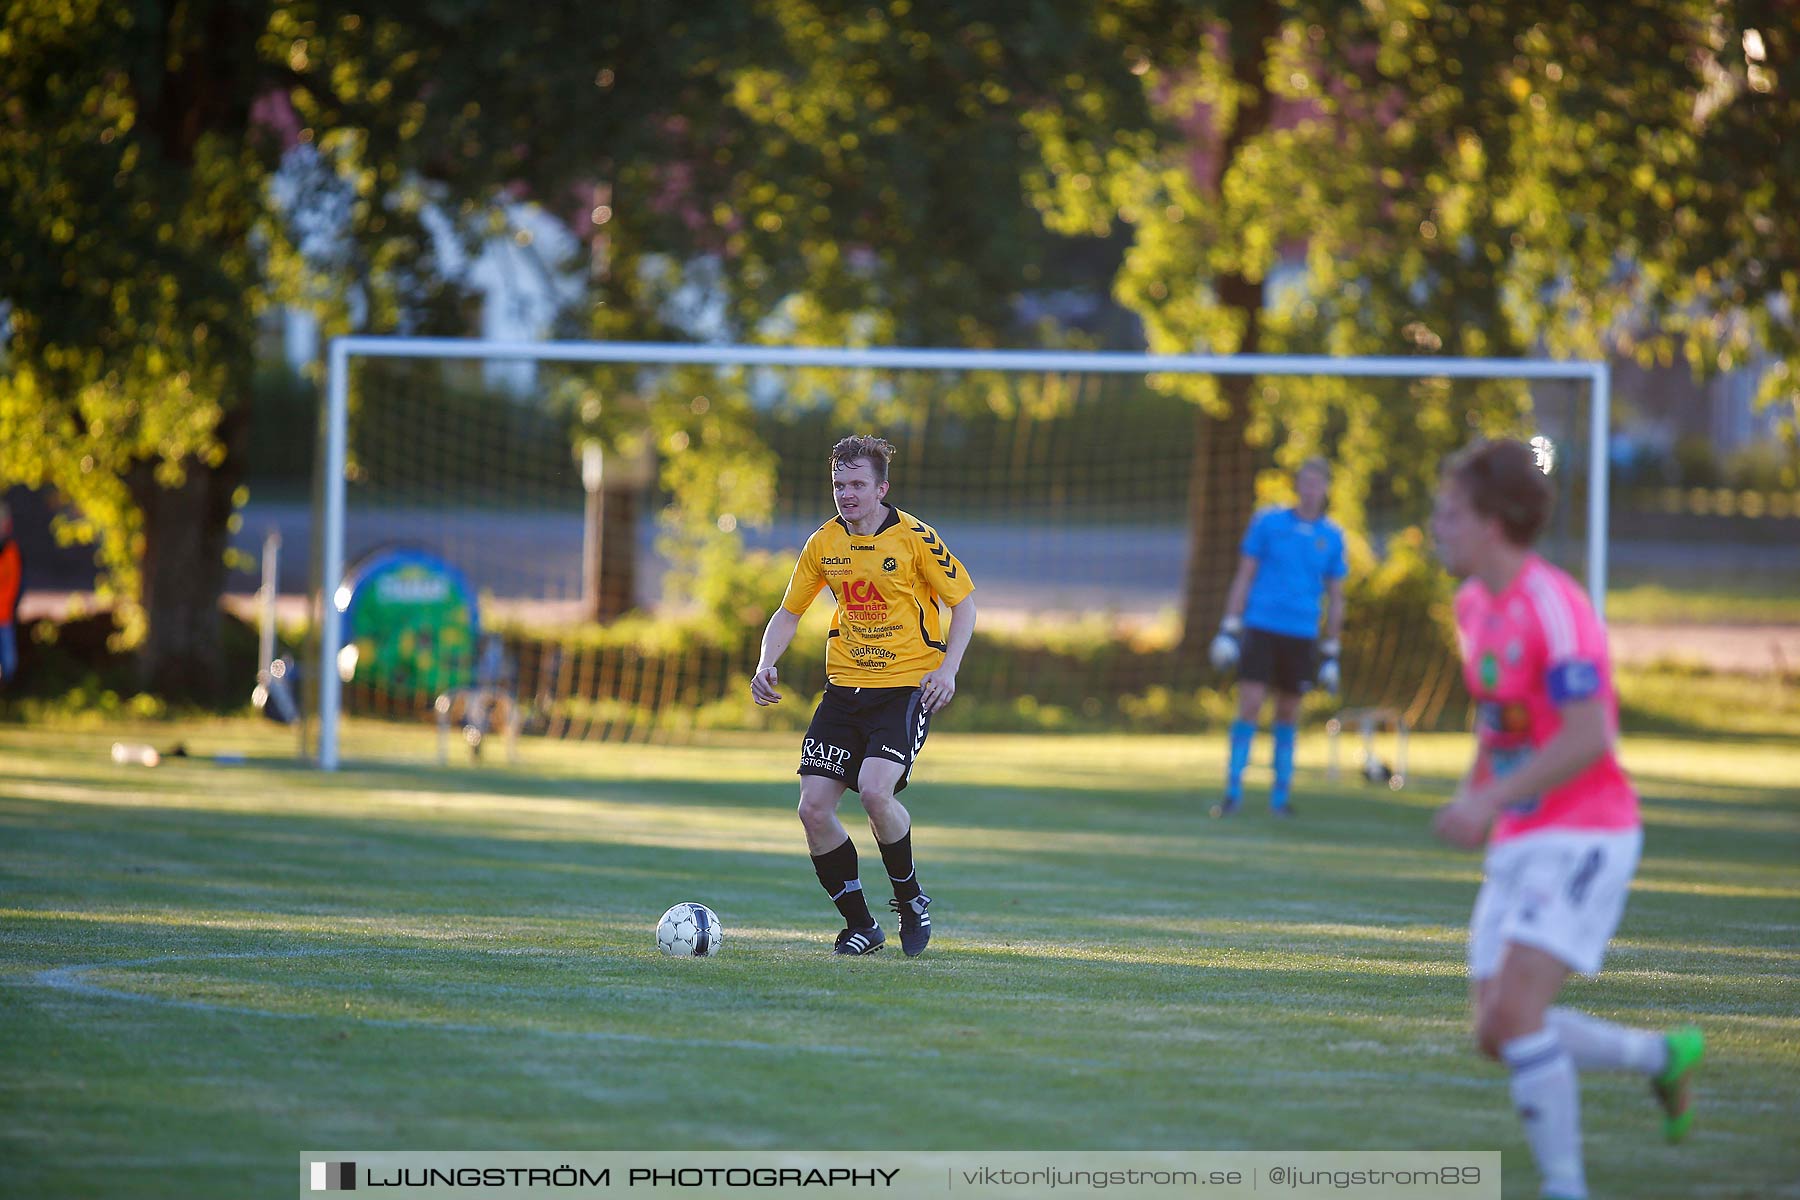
{"type": "Point", "coordinates": [598, 531]}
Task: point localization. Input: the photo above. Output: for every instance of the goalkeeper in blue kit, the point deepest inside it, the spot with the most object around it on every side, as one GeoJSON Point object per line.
{"type": "Point", "coordinates": [1291, 567]}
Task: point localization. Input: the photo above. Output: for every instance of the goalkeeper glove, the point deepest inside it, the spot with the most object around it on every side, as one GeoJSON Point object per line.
{"type": "Point", "coordinates": [1329, 675]}
{"type": "Point", "coordinates": [1224, 651]}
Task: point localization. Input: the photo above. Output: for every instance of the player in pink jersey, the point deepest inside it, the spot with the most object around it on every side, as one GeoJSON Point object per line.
{"type": "Point", "coordinates": [1559, 814]}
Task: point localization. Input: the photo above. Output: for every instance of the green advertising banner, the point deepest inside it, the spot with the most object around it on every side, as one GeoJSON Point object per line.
{"type": "Point", "coordinates": [411, 624]}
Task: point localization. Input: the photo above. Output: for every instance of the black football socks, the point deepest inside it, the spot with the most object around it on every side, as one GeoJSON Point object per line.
{"type": "Point", "coordinates": [837, 875]}
{"type": "Point", "coordinates": [898, 858]}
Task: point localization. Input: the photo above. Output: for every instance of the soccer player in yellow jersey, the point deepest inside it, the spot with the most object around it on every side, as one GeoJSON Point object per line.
{"type": "Point", "coordinates": [888, 668]}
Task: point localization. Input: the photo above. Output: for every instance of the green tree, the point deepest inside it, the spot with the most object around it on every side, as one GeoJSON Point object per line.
{"type": "Point", "coordinates": [839, 177]}
{"type": "Point", "coordinates": [861, 183]}
{"type": "Point", "coordinates": [142, 234]}
{"type": "Point", "coordinates": [1456, 179]}
{"type": "Point", "coordinates": [125, 230]}
{"type": "Point", "coordinates": [1653, 155]}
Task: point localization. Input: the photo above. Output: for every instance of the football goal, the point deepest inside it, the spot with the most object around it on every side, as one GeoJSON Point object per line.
{"type": "Point", "coordinates": [583, 538]}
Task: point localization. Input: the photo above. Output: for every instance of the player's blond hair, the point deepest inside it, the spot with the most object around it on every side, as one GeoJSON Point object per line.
{"type": "Point", "coordinates": [864, 447]}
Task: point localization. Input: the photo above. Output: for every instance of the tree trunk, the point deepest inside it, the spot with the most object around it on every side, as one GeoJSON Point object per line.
{"type": "Point", "coordinates": [186, 533]}
{"type": "Point", "coordinates": [612, 592]}
{"type": "Point", "coordinates": [1222, 474]}
{"type": "Point", "coordinates": [1221, 499]}
{"type": "Point", "coordinates": [201, 84]}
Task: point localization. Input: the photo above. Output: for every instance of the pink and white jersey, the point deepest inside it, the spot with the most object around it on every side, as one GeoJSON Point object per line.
{"type": "Point", "coordinates": [1526, 652]}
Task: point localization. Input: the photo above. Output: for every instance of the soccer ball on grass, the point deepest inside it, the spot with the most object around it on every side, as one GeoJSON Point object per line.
{"type": "Point", "coordinates": [689, 930]}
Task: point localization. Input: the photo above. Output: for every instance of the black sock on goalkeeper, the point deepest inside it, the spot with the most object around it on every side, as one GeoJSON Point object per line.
{"type": "Point", "coordinates": [837, 875]}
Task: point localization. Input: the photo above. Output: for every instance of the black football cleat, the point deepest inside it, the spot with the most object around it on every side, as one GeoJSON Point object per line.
{"type": "Point", "coordinates": [915, 923]}
{"type": "Point", "coordinates": [859, 941]}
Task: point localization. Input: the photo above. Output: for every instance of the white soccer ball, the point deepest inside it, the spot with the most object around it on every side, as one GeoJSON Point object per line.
{"type": "Point", "coordinates": [689, 931]}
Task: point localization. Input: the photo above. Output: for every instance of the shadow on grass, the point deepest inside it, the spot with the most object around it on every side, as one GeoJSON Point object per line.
{"type": "Point", "coordinates": [439, 871]}
{"type": "Point", "coordinates": [1147, 831]}
{"type": "Point", "coordinates": [432, 867]}
{"type": "Point", "coordinates": [1657, 723]}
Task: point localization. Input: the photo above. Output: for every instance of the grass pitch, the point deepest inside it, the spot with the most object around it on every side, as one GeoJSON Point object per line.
{"type": "Point", "coordinates": [207, 968]}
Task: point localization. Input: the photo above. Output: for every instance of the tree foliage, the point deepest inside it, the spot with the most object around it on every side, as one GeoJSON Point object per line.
{"type": "Point", "coordinates": [1455, 179]}
{"type": "Point", "coordinates": [844, 179]}
{"type": "Point", "coordinates": [1494, 179]}
{"type": "Point", "coordinates": [144, 233]}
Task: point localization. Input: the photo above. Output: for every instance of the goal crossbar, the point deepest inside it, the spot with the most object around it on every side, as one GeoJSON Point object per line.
{"type": "Point", "coordinates": [1597, 374]}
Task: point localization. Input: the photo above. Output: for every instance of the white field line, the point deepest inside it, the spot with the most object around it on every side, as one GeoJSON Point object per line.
{"type": "Point", "coordinates": [71, 980]}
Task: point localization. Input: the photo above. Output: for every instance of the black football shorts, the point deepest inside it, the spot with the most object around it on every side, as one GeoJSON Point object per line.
{"type": "Point", "coordinates": [1287, 664]}
{"type": "Point", "coordinates": [854, 724]}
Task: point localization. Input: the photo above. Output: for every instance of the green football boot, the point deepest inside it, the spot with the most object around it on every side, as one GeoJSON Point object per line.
{"type": "Point", "coordinates": [1687, 1046]}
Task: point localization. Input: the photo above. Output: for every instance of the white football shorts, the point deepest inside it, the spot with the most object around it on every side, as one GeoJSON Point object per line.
{"type": "Point", "coordinates": [1559, 890]}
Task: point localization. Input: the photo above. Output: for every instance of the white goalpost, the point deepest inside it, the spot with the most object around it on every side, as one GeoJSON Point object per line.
{"type": "Point", "coordinates": [335, 460]}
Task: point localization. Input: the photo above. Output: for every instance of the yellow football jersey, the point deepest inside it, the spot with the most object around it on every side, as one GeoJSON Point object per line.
{"type": "Point", "coordinates": [885, 632]}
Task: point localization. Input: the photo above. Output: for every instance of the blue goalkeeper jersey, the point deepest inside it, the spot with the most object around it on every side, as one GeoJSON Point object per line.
{"type": "Point", "coordinates": [1295, 559]}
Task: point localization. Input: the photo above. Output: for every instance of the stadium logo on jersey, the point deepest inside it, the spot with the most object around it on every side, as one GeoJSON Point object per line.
{"type": "Point", "coordinates": [890, 565]}
{"type": "Point", "coordinates": [836, 562]}
{"type": "Point", "coordinates": [1490, 671]}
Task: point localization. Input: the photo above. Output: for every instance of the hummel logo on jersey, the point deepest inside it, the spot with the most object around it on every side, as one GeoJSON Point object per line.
{"type": "Point", "coordinates": [895, 753]}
